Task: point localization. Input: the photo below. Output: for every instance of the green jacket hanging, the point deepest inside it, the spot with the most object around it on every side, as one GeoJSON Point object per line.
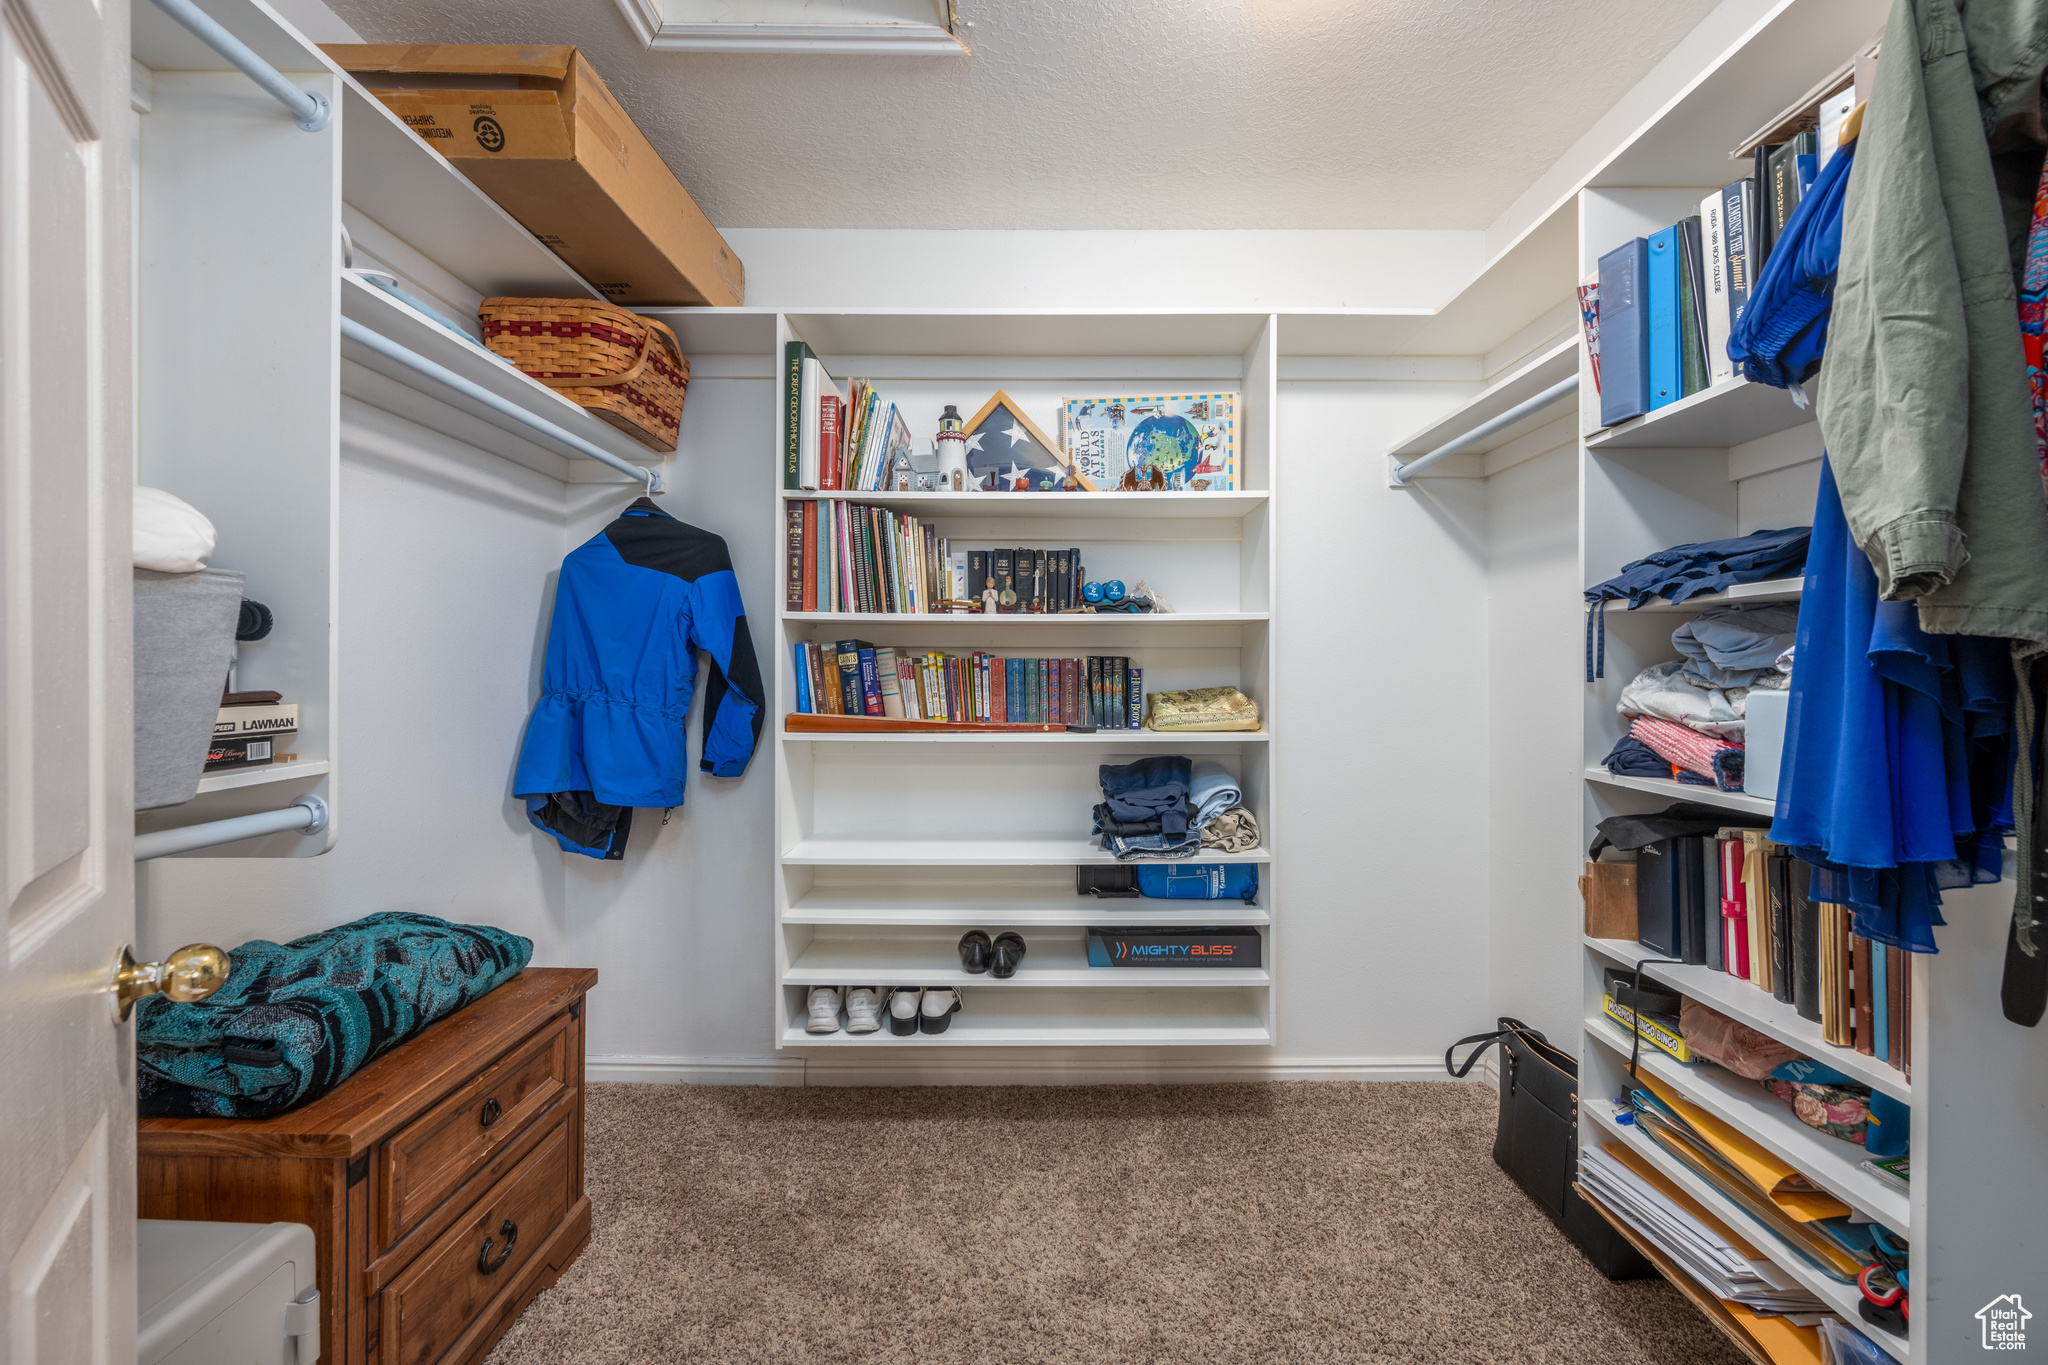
{"type": "Point", "coordinates": [1923, 397]}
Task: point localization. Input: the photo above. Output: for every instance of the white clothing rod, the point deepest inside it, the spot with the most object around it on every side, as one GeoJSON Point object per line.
{"type": "Point", "coordinates": [440, 374]}
{"type": "Point", "coordinates": [308, 814]}
{"type": "Point", "coordinates": [308, 109]}
{"type": "Point", "coordinates": [1563, 388]}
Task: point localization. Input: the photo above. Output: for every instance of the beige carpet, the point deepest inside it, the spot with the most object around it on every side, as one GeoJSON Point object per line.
{"type": "Point", "coordinates": [1288, 1223]}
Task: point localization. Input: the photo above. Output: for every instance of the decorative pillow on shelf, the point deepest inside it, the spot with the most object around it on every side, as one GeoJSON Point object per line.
{"type": "Point", "coordinates": [295, 1020]}
{"type": "Point", "coordinates": [1203, 708]}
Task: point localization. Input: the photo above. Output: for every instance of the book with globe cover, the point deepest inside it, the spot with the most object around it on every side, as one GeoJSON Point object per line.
{"type": "Point", "coordinates": [1189, 438]}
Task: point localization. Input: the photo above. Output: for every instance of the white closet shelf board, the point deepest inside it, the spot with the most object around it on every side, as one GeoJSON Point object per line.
{"type": "Point", "coordinates": [1548, 367]}
{"type": "Point", "coordinates": [1677, 791]}
{"type": "Point", "coordinates": [862, 852]}
{"type": "Point", "coordinates": [1769, 590]}
{"type": "Point", "coordinates": [1136, 741]}
{"type": "Point", "coordinates": [998, 905]}
{"type": "Point", "coordinates": [919, 332]}
{"type": "Point", "coordinates": [161, 43]}
{"type": "Point", "coordinates": [719, 331]}
{"type": "Point", "coordinates": [928, 960]}
{"type": "Point", "coordinates": [1733, 411]}
{"type": "Point", "coordinates": [1067, 1017]}
{"type": "Point", "coordinates": [391, 174]}
{"type": "Point", "coordinates": [1797, 43]}
{"type": "Point", "coordinates": [1749, 1004]}
{"type": "Point", "coordinates": [1533, 276]}
{"type": "Point", "coordinates": [1841, 1297]}
{"type": "Point", "coordinates": [975, 623]}
{"type": "Point", "coordinates": [1076, 506]}
{"type": "Point", "coordinates": [256, 777]}
{"type": "Point", "coordinates": [421, 335]}
{"type": "Point", "coordinates": [1828, 1162]}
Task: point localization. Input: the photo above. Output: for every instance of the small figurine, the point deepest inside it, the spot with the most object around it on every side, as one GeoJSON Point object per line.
{"type": "Point", "coordinates": [910, 473]}
{"type": "Point", "coordinates": [988, 600]}
{"type": "Point", "coordinates": [1129, 482]}
{"type": "Point", "coordinates": [952, 451]}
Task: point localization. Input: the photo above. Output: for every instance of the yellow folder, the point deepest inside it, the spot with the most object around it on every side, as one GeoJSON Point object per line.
{"type": "Point", "coordinates": [1779, 1180]}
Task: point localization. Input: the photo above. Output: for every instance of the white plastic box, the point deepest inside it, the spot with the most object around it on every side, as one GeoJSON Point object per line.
{"type": "Point", "coordinates": [225, 1294]}
{"type": "Point", "coordinates": [1763, 740]}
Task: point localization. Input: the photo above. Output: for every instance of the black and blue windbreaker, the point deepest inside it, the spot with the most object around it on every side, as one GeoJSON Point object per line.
{"type": "Point", "coordinates": [631, 606]}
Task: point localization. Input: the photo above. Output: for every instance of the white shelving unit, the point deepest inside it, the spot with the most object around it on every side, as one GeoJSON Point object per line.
{"type": "Point", "coordinates": [890, 846]}
{"type": "Point", "coordinates": [241, 374]}
{"type": "Point", "coordinates": [1736, 458]}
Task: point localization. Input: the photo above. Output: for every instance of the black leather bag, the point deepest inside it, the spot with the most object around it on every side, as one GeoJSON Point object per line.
{"type": "Point", "coordinates": [1537, 1140]}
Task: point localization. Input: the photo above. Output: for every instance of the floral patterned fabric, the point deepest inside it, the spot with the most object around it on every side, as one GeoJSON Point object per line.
{"type": "Point", "coordinates": [2034, 320]}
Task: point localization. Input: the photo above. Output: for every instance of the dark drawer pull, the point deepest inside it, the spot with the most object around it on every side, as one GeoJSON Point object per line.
{"type": "Point", "coordinates": [509, 1230]}
{"type": "Point", "coordinates": [493, 1111]}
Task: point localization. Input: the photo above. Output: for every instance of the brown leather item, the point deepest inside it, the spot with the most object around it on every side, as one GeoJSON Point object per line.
{"type": "Point", "coordinates": [1609, 890]}
{"type": "Point", "coordinates": [443, 1182]}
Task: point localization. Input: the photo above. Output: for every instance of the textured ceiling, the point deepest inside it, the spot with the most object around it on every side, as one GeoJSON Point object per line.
{"type": "Point", "coordinates": [1132, 114]}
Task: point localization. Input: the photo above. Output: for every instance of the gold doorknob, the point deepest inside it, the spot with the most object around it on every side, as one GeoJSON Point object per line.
{"type": "Point", "coordinates": [193, 972]}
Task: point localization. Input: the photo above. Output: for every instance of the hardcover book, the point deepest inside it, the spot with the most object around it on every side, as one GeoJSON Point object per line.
{"type": "Point", "coordinates": [1189, 439]}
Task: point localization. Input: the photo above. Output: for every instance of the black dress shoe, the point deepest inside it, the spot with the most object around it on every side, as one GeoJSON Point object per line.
{"type": "Point", "coordinates": [974, 952]}
{"type": "Point", "coordinates": [1004, 955]}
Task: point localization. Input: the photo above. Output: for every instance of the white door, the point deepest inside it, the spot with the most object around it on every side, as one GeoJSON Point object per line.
{"type": "Point", "coordinates": [67, 1148]}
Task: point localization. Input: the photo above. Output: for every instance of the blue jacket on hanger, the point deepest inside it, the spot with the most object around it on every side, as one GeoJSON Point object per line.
{"type": "Point", "coordinates": [631, 606]}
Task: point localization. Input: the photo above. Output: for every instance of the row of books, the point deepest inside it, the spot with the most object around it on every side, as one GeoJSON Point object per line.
{"type": "Point", "coordinates": [1659, 312]}
{"type": "Point", "coordinates": [847, 557]}
{"type": "Point", "coordinates": [831, 441]}
{"type": "Point", "coordinates": [854, 678]}
{"type": "Point", "coordinates": [1772, 933]}
{"type": "Point", "coordinates": [248, 729]}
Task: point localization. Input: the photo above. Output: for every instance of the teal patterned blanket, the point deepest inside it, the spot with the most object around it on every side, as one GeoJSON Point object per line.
{"type": "Point", "coordinates": [297, 1019]}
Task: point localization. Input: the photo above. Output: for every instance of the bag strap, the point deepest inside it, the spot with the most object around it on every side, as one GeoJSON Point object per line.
{"type": "Point", "coordinates": [639, 361]}
{"type": "Point", "coordinates": [1508, 1027]}
{"type": "Point", "coordinates": [1635, 1009]}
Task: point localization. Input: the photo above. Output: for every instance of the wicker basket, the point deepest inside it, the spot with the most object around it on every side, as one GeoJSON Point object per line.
{"type": "Point", "coordinates": [625, 368]}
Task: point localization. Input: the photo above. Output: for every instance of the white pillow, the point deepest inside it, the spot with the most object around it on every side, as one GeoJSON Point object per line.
{"type": "Point", "coordinates": [171, 535]}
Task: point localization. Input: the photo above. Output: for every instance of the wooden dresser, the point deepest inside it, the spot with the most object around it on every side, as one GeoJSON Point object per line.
{"type": "Point", "coordinates": [443, 1182]}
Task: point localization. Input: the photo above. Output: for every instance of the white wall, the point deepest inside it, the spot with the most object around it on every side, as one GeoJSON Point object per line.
{"type": "Point", "coordinates": [1266, 271]}
{"type": "Point", "coordinates": [1535, 633]}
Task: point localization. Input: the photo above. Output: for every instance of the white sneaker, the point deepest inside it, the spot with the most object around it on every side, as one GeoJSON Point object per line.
{"type": "Point", "coordinates": [903, 1010]}
{"type": "Point", "coordinates": [824, 1006]}
{"type": "Point", "coordinates": [863, 1009]}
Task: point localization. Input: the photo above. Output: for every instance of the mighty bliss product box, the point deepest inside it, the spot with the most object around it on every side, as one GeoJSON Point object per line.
{"type": "Point", "coordinates": [538, 131]}
{"type": "Point", "coordinates": [1174, 947]}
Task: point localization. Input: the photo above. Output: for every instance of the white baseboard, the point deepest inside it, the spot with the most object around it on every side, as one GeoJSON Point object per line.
{"type": "Point", "coordinates": [973, 1067]}
{"type": "Point", "coordinates": [638, 1070]}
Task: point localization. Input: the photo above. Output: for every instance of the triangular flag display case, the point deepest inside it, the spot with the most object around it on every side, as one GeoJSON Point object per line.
{"type": "Point", "coordinates": [1007, 452]}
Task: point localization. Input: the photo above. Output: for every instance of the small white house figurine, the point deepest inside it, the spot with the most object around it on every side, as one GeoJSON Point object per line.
{"type": "Point", "coordinates": [911, 473]}
{"type": "Point", "coordinates": [952, 448]}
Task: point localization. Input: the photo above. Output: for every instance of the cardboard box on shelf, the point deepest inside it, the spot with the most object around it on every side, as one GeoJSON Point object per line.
{"type": "Point", "coordinates": [537, 130]}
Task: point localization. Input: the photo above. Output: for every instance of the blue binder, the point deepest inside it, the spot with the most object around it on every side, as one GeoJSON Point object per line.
{"type": "Point", "coordinates": [1624, 339]}
{"type": "Point", "coordinates": [1667, 364]}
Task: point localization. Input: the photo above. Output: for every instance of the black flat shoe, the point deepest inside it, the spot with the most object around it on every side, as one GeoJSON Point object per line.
{"type": "Point", "coordinates": [902, 1009]}
{"type": "Point", "coordinates": [1004, 955]}
{"type": "Point", "coordinates": [974, 952]}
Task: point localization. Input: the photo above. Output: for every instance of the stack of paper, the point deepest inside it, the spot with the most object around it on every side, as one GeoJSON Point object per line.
{"type": "Point", "coordinates": [1700, 1244]}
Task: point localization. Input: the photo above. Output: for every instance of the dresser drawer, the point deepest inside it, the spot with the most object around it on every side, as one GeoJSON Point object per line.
{"type": "Point", "coordinates": [430, 1158]}
{"type": "Point", "coordinates": [440, 1298]}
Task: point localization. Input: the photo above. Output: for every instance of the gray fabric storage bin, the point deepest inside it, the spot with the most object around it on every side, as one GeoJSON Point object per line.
{"type": "Point", "coordinates": [184, 643]}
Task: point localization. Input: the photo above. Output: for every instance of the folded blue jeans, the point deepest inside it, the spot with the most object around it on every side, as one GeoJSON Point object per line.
{"type": "Point", "coordinates": [1154, 788]}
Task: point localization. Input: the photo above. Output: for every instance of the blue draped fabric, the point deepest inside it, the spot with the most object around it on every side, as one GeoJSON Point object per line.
{"type": "Point", "coordinates": [1895, 780]}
